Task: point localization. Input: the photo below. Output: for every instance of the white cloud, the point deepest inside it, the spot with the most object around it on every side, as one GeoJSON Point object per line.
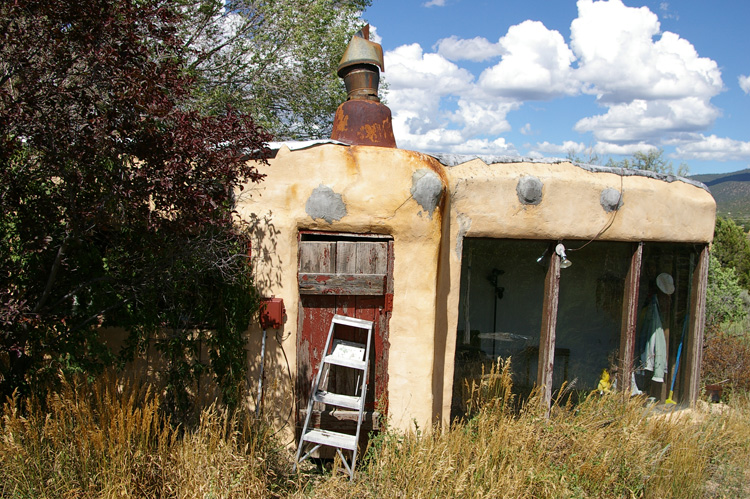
{"type": "Point", "coordinates": [441, 139]}
{"type": "Point", "coordinates": [560, 150]}
{"type": "Point", "coordinates": [619, 60]}
{"type": "Point", "coordinates": [374, 36]}
{"type": "Point", "coordinates": [744, 83]}
{"type": "Point", "coordinates": [536, 65]}
{"type": "Point", "coordinates": [408, 66]}
{"type": "Point", "coordinates": [643, 120]}
{"type": "Point", "coordinates": [474, 49]}
{"type": "Point", "coordinates": [713, 148]}
{"type": "Point", "coordinates": [565, 147]}
{"type": "Point", "coordinates": [667, 12]}
{"type": "Point", "coordinates": [653, 86]}
{"type": "Point", "coordinates": [600, 149]}
{"type": "Point", "coordinates": [480, 117]}
{"type": "Point", "coordinates": [608, 149]}
{"type": "Point", "coordinates": [419, 82]}
{"type": "Point", "coordinates": [486, 146]}
{"type": "Point", "coordinates": [526, 129]}
{"type": "Point", "coordinates": [434, 3]}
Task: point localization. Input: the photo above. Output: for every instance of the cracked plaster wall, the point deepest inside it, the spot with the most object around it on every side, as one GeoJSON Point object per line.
{"type": "Point", "coordinates": [361, 189]}
{"type": "Point", "coordinates": [429, 209]}
{"type": "Point", "coordinates": [524, 200]}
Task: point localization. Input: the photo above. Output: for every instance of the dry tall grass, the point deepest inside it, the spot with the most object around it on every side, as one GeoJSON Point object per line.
{"type": "Point", "coordinates": [603, 447]}
{"type": "Point", "coordinates": [109, 440]}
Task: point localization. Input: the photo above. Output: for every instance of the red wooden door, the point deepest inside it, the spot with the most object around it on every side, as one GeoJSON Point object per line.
{"type": "Point", "coordinates": [348, 275]}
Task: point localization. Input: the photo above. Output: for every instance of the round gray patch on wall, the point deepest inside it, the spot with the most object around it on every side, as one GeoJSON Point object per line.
{"type": "Point", "coordinates": [529, 190]}
{"type": "Point", "coordinates": [326, 204]}
{"type": "Point", "coordinates": [427, 189]}
{"type": "Point", "coordinates": [610, 199]}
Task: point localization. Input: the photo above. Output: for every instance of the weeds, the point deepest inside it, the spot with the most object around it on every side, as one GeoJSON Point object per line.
{"type": "Point", "coordinates": [726, 358]}
{"type": "Point", "coordinates": [601, 447]}
{"type": "Point", "coordinates": [110, 440]}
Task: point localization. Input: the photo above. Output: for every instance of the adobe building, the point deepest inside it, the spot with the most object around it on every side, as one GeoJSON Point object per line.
{"type": "Point", "coordinates": [462, 260]}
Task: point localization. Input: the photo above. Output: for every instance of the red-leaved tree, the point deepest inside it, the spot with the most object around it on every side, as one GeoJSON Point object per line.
{"type": "Point", "coordinates": [117, 201]}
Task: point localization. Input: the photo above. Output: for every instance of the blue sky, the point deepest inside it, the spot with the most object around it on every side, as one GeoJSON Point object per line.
{"type": "Point", "coordinates": [542, 78]}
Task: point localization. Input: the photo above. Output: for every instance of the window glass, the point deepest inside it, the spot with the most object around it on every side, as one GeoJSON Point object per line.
{"type": "Point", "coordinates": [500, 311]}
{"type": "Point", "coordinates": [663, 300]}
{"type": "Point", "coordinates": [589, 318]}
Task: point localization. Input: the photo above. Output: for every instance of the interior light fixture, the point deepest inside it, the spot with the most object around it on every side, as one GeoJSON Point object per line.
{"type": "Point", "coordinates": [540, 260]}
{"type": "Point", "coordinates": [564, 262]}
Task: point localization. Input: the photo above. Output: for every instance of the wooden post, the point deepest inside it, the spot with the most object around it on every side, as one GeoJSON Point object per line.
{"type": "Point", "coordinates": [694, 341]}
{"type": "Point", "coordinates": [629, 318]}
{"type": "Point", "coordinates": [549, 325]}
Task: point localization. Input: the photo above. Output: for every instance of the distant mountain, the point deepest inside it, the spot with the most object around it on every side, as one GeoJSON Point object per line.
{"type": "Point", "coordinates": [732, 193]}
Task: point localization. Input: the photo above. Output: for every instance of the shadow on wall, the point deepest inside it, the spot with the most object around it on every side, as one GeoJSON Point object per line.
{"type": "Point", "coordinates": [265, 260]}
{"type": "Point", "coordinates": [149, 364]}
{"type": "Point", "coordinates": [277, 384]}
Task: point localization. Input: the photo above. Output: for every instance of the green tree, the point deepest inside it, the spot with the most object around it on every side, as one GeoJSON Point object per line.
{"type": "Point", "coordinates": [724, 303]}
{"type": "Point", "coordinates": [731, 247]}
{"type": "Point", "coordinates": [588, 156]}
{"type": "Point", "coordinates": [275, 60]}
{"type": "Point", "coordinates": [650, 160]}
{"type": "Point", "coordinates": [117, 199]}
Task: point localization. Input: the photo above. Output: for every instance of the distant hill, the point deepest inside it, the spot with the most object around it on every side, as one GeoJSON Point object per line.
{"type": "Point", "coordinates": [732, 193]}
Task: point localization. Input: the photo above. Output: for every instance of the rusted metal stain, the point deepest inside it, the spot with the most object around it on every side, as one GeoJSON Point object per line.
{"type": "Point", "coordinates": [363, 123]}
{"type": "Point", "coordinates": [362, 120]}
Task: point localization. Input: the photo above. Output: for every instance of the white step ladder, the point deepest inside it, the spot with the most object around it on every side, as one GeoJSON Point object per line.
{"type": "Point", "coordinates": [350, 355]}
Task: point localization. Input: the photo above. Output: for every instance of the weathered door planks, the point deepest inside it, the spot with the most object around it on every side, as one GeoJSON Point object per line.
{"type": "Point", "coordinates": [343, 268]}
{"type": "Point", "coordinates": [348, 276]}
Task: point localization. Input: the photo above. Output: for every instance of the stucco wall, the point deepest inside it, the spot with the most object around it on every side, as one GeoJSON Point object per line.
{"type": "Point", "coordinates": [489, 201]}
{"type": "Point", "coordinates": [429, 208]}
{"type": "Point", "coordinates": [354, 189]}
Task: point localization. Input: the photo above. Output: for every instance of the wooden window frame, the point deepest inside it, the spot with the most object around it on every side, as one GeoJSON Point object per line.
{"type": "Point", "coordinates": [694, 341]}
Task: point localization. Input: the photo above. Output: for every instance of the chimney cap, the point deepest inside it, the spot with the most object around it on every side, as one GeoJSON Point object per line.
{"type": "Point", "coordinates": [362, 51]}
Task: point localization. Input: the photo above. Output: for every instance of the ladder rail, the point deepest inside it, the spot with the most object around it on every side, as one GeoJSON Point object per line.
{"type": "Point", "coordinates": [362, 400]}
{"type": "Point", "coordinates": [332, 439]}
{"type": "Point", "coordinates": [311, 401]}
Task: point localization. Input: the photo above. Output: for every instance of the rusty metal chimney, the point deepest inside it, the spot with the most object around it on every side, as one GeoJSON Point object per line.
{"type": "Point", "coordinates": [363, 119]}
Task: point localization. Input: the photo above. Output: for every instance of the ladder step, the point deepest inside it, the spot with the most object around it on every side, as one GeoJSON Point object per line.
{"type": "Point", "coordinates": [341, 361]}
{"type": "Point", "coordinates": [351, 321]}
{"type": "Point", "coordinates": [331, 438]}
{"type": "Point", "coordinates": [348, 354]}
{"type": "Point", "coordinates": [348, 401]}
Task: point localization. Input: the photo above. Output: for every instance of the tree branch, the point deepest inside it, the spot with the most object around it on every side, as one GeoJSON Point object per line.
{"type": "Point", "coordinates": [53, 273]}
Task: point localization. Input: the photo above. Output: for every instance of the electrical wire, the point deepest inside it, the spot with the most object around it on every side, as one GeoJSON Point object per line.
{"type": "Point", "coordinates": [608, 225]}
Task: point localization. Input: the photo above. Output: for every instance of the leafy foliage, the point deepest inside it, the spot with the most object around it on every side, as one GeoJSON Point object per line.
{"type": "Point", "coordinates": [724, 302]}
{"type": "Point", "coordinates": [731, 248]}
{"type": "Point", "coordinates": [275, 59]}
{"type": "Point", "coordinates": [588, 156]}
{"type": "Point", "coordinates": [650, 160]}
{"type": "Point", "coordinates": [116, 197]}
{"type": "Point", "coordinates": [726, 358]}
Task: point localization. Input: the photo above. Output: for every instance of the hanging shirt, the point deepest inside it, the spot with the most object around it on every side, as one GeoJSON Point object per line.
{"type": "Point", "coordinates": [654, 356]}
